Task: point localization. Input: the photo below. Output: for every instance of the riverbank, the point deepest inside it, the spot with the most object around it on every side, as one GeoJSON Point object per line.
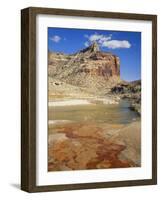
{"type": "Point", "coordinates": [69, 102]}
{"type": "Point", "coordinates": [87, 101]}
{"type": "Point", "coordinates": [130, 91]}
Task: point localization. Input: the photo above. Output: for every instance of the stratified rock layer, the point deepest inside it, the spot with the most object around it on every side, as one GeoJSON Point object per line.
{"type": "Point", "coordinates": [89, 67]}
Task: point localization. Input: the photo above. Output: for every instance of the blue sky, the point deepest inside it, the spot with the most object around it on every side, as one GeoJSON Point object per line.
{"type": "Point", "coordinates": [126, 45]}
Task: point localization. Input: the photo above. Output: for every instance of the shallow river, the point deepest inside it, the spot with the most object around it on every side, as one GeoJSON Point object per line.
{"type": "Point", "coordinates": [100, 113]}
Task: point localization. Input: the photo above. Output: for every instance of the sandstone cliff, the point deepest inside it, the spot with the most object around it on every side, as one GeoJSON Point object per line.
{"type": "Point", "coordinates": [89, 68]}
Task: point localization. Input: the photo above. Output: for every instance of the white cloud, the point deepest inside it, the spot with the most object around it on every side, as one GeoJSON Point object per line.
{"type": "Point", "coordinates": [55, 38]}
{"type": "Point", "coordinates": [86, 44]}
{"type": "Point", "coordinates": [99, 38]}
{"type": "Point", "coordinates": [95, 37]}
{"type": "Point", "coordinates": [106, 41]}
{"type": "Point", "coordinates": [116, 44]}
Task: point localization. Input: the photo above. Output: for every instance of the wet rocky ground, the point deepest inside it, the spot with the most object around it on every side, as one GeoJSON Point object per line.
{"type": "Point", "coordinates": [77, 146]}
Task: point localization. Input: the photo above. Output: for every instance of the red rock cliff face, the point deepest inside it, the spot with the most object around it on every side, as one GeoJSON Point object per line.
{"type": "Point", "coordinates": [85, 67]}
{"type": "Point", "coordinates": [101, 64]}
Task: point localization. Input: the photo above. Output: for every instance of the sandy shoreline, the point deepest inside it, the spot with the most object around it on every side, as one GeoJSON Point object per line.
{"type": "Point", "coordinates": [55, 122]}
{"type": "Point", "coordinates": [71, 102]}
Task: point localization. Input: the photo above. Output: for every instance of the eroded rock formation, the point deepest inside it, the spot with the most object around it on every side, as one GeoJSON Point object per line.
{"type": "Point", "coordinates": [85, 68]}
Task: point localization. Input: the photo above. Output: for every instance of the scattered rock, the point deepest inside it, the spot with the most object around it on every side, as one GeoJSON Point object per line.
{"type": "Point", "coordinates": [130, 91]}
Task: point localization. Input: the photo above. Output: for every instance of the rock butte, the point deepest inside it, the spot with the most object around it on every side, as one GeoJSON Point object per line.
{"type": "Point", "coordinates": [85, 68]}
